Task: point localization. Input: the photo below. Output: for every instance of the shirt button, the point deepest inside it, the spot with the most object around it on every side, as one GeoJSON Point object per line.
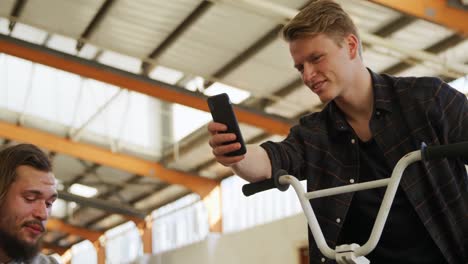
{"type": "Point", "coordinates": [323, 259]}
{"type": "Point", "coordinates": [353, 141]}
{"type": "Point", "coordinates": [338, 220]}
{"type": "Point", "coordinates": [351, 180]}
{"type": "Point", "coordinates": [378, 114]}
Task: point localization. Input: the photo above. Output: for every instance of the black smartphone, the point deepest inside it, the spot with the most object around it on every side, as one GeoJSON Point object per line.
{"type": "Point", "coordinates": [222, 112]}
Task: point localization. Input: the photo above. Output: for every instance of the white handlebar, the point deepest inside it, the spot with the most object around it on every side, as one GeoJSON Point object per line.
{"type": "Point", "coordinates": [392, 186]}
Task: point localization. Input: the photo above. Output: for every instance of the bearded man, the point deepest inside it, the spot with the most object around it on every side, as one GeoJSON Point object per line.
{"type": "Point", "coordinates": [27, 192]}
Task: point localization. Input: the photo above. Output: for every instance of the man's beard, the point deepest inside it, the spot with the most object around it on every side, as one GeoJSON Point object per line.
{"type": "Point", "coordinates": [17, 249]}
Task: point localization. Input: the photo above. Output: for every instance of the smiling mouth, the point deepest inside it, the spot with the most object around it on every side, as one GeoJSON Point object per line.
{"type": "Point", "coordinates": [36, 229]}
{"type": "Point", "coordinates": [316, 86]}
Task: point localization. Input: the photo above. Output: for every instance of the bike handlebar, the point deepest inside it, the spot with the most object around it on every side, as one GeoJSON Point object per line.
{"type": "Point", "coordinates": [445, 151]}
{"type": "Point", "coordinates": [343, 251]}
{"type": "Point", "coordinates": [427, 152]}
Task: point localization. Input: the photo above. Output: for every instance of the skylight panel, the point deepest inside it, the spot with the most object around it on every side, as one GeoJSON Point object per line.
{"type": "Point", "coordinates": [186, 120]}
{"type": "Point", "coordinates": [166, 75]}
{"type": "Point", "coordinates": [235, 95]}
{"type": "Point", "coordinates": [15, 74]}
{"type": "Point", "coordinates": [62, 43]}
{"type": "Point", "coordinates": [53, 94]}
{"type": "Point", "coordinates": [88, 51]}
{"type": "Point", "coordinates": [83, 190]}
{"type": "Point", "coordinates": [196, 84]}
{"type": "Point", "coordinates": [120, 61]}
{"type": "Point", "coordinates": [28, 33]}
{"type": "Point", "coordinates": [4, 26]}
{"type": "Point", "coordinates": [143, 121]}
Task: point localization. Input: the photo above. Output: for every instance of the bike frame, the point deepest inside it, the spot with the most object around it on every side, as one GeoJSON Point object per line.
{"type": "Point", "coordinates": [353, 253]}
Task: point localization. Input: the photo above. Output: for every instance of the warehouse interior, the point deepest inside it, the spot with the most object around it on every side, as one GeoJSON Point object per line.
{"type": "Point", "coordinates": [114, 91]}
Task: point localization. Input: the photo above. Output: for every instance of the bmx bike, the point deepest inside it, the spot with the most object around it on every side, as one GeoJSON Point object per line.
{"type": "Point", "coordinates": [354, 253]}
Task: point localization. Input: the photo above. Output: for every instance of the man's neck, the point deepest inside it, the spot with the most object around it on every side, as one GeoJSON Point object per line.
{"type": "Point", "coordinates": [358, 102]}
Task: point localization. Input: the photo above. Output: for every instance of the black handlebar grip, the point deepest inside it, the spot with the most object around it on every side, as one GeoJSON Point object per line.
{"type": "Point", "coordinates": [276, 176]}
{"type": "Point", "coordinates": [253, 188]}
{"type": "Point", "coordinates": [456, 150]}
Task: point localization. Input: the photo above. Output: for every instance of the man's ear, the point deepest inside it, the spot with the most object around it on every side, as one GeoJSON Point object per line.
{"type": "Point", "coordinates": [353, 46]}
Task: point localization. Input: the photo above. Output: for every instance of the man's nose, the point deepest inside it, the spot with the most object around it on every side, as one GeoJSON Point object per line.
{"type": "Point", "coordinates": [308, 74]}
{"type": "Point", "coordinates": [41, 211]}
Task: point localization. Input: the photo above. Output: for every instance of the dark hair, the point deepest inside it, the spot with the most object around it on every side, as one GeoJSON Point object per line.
{"type": "Point", "coordinates": [15, 156]}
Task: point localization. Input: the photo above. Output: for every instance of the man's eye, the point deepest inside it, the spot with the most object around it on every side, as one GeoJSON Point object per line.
{"type": "Point", "coordinates": [29, 199]}
{"type": "Point", "coordinates": [317, 59]}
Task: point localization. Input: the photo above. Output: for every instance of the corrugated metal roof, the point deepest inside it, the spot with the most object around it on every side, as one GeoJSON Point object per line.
{"type": "Point", "coordinates": [69, 18]}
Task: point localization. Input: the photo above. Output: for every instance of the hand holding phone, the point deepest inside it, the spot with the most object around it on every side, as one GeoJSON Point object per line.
{"type": "Point", "coordinates": [222, 112]}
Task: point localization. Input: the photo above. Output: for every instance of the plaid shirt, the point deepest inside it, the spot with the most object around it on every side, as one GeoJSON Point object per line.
{"type": "Point", "coordinates": [407, 111]}
{"type": "Point", "coordinates": [39, 259]}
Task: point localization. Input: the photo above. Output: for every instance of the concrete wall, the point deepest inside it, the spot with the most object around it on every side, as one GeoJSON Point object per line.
{"type": "Point", "coordinates": [273, 243]}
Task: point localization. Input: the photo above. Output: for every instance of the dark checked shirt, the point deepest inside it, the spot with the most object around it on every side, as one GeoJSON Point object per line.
{"type": "Point", "coordinates": [39, 259]}
{"type": "Point", "coordinates": [324, 149]}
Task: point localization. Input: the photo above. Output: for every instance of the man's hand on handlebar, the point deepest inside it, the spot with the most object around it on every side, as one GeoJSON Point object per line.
{"type": "Point", "coordinates": [218, 141]}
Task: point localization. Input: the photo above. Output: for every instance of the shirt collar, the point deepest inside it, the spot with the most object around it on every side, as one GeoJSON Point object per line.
{"type": "Point", "coordinates": [382, 101]}
{"type": "Point", "coordinates": [382, 92]}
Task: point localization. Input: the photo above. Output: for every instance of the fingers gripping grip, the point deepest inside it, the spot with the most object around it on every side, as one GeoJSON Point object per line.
{"type": "Point", "coordinates": [253, 188]}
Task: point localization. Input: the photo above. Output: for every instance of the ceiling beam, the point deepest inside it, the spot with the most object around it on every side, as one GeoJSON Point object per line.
{"type": "Point", "coordinates": [264, 41]}
{"type": "Point", "coordinates": [200, 185]}
{"type": "Point", "coordinates": [436, 48]}
{"type": "Point", "coordinates": [114, 190]}
{"type": "Point", "coordinates": [138, 83]}
{"type": "Point", "coordinates": [282, 92]}
{"type": "Point", "coordinates": [97, 19]}
{"type": "Point", "coordinates": [394, 26]}
{"type": "Point", "coordinates": [59, 238]}
{"type": "Point", "coordinates": [247, 54]}
{"type": "Point", "coordinates": [97, 219]}
{"type": "Point", "coordinates": [437, 11]}
{"type": "Point", "coordinates": [201, 9]}
{"type": "Point", "coordinates": [53, 248]}
{"type": "Point", "coordinates": [453, 68]}
{"type": "Point", "coordinates": [88, 170]}
{"type": "Point", "coordinates": [15, 13]}
{"type": "Point", "coordinates": [108, 206]}
{"type": "Point", "coordinates": [196, 138]}
{"type": "Point", "coordinates": [55, 224]}
{"type": "Point", "coordinates": [251, 51]}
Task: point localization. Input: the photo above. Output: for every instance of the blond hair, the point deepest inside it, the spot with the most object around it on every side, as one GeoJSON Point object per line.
{"type": "Point", "coordinates": [321, 16]}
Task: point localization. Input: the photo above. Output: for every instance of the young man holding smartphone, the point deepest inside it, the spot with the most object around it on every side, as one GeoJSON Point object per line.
{"type": "Point", "coordinates": [370, 121]}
